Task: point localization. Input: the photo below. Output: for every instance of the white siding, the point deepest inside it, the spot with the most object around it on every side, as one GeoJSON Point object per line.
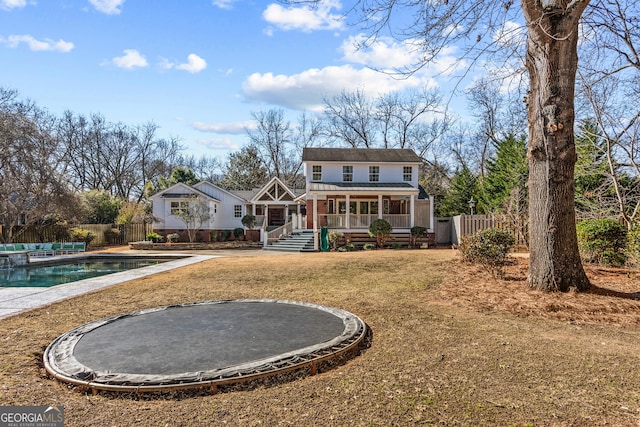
{"type": "Point", "coordinates": [389, 173]}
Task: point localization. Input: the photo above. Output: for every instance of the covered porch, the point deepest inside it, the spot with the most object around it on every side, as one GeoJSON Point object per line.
{"type": "Point", "coordinates": [352, 208]}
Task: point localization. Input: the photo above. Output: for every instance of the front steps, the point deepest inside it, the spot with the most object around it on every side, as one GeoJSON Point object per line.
{"type": "Point", "coordinates": [301, 241]}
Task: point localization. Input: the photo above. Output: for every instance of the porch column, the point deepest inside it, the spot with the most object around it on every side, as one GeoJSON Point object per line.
{"type": "Point", "coordinates": [316, 243]}
{"type": "Point", "coordinates": [347, 220]}
{"type": "Point", "coordinates": [412, 206]}
{"type": "Point", "coordinates": [253, 209]}
{"type": "Point", "coordinates": [299, 216]}
{"type": "Point", "coordinates": [379, 206]}
{"type": "Point", "coordinates": [266, 224]}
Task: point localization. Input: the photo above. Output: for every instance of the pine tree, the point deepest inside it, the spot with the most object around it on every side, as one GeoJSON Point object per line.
{"type": "Point", "coordinates": [507, 175]}
{"type": "Point", "coordinates": [461, 190]}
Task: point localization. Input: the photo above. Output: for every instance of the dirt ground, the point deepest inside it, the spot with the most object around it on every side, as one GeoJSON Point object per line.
{"type": "Point", "coordinates": [451, 346]}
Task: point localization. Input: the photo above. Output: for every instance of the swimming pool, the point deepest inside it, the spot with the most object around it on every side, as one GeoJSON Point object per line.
{"type": "Point", "coordinates": [48, 274]}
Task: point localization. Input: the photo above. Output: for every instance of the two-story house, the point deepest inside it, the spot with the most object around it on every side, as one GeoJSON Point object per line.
{"type": "Point", "coordinates": [348, 188]}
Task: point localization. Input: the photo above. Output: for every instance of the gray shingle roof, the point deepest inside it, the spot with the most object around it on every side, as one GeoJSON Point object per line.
{"type": "Point", "coordinates": [356, 155]}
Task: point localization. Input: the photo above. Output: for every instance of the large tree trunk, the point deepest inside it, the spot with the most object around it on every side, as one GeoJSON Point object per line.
{"type": "Point", "coordinates": [552, 61]}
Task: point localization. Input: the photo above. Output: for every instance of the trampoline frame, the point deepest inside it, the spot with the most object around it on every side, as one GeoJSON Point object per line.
{"type": "Point", "coordinates": [61, 364]}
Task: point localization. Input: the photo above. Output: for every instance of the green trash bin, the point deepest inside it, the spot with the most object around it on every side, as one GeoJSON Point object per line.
{"type": "Point", "coordinates": [324, 239]}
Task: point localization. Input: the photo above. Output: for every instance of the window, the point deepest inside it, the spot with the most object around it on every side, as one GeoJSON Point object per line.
{"type": "Point", "coordinates": [347, 173]}
{"type": "Point", "coordinates": [317, 173]}
{"type": "Point", "coordinates": [407, 173]}
{"type": "Point", "coordinates": [177, 208]}
{"type": "Point", "coordinates": [374, 173]}
{"type": "Point", "coordinates": [237, 211]}
{"type": "Point", "coordinates": [331, 209]}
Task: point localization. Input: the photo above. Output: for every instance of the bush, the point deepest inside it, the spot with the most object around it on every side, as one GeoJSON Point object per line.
{"type": "Point", "coordinates": [224, 235]}
{"type": "Point", "coordinates": [417, 232]}
{"type": "Point", "coordinates": [368, 246]}
{"type": "Point", "coordinates": [490, 248]}
{"type": "Point", "coordinates": [238, 233]}
{"type": "Point", "coordinates": [602, 241]}
{"type": "Point", "coordinates": [81, 235]}
{"type": "Point", "coordinates": [213, 235]}
{"type": "Point", "coordinates": [380, 229]}
{"type": "Point", "coordinates": [334, 236]}
{"type": "Point", "coordinates": [173, 238]}
{"type": "Point", "coordinates": [154, 237]}
{"type": "Point", "coordinates": [249, 221]}
{"type": "Point", "coordinates": [350, 247]}
{"type": "Point", "coordinates": [633, 244]}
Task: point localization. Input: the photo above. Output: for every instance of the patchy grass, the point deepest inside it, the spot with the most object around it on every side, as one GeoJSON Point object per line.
{"type": "Point", "coordinates": [451, 346]}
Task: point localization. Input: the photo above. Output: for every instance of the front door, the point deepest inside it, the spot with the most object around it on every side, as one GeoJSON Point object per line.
{"type": "Point", "coordinates": [276, 216]}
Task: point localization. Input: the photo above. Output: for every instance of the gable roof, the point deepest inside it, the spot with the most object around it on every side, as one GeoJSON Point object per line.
{"type": "Point", "coordinates": [360, 155]}
{"type": "Point", "coordinates": [180, 191]}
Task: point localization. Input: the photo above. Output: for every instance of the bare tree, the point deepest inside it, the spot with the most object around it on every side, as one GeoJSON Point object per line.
{"type": "Point", "coordinates": [194, 214]}
{"type": "Point", "coordinates": [280, 143]}
{"type": "Point", "coordinates": [34, 190]}
{"type": "Point", "coordinates": [352, 119]}
{"type": "Point", "coordinates": [497, 116]}
{"type": "Point", "coordinates": [607, 83]}
{"type": "Point", "coordinates": [413, 120]}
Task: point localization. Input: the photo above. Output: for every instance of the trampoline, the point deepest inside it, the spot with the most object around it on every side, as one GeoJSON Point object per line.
{"type": "Point", "coordinates": [203, 344]}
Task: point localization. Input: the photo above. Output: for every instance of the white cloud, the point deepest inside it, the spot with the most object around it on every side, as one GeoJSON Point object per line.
{"type": "Point", "coordinates": [37, 45]}
{"type": "Point", "coordinates": [194, 64]}
{"type": "Point", "coordinates": [131, 59]}
{"type": "Point", "coordinates": [224, 4]}
{"type": "Point", "coordinates": [12, 4]}
{"type": "Point", "coordinates": [231, 128]}
{"type": "Point", "coordinates": [110, 7]}
{"type": "Point", "coordinates": [389, 55]}
{"type": "Point", "coordinates": [220, 144]}
{"type": "Point", "coordinates": [384, 53]}
{"type": "Point", "coordinates": [306, 90]}
{"type": "Point", "coordinates": [305, 18]}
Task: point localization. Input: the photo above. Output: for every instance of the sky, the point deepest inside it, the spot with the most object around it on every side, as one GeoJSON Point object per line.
{"type": "Point", "coordinates": [195, 68]}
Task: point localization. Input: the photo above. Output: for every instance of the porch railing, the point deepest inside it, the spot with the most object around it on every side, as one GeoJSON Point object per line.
{"type": "Point", "coordinates": [278, 233]}
{"type": "Point", "coordinates": [362, 222]}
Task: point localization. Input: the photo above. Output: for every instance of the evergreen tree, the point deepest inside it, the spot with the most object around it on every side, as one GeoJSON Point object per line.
{"type": "Point", "coordinates": [245, 170]}
{"type": "Point", "coordinates": [507, 175]}
{"type": "Point", "coordinates": [463, 188]}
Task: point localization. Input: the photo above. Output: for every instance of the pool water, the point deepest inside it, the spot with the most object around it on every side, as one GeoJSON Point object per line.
{"type": "Point", "coordinates": [44, 276]}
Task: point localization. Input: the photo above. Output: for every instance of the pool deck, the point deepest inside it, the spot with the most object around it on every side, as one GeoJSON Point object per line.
{"type": "Point", "coordinates": [18, 300]}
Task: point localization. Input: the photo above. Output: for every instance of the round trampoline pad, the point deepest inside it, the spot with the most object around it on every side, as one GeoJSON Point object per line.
{"type": "Point", "coordinates": [203, 343]}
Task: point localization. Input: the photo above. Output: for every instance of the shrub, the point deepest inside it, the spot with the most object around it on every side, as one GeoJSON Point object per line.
{"type": "Point", "coordinates": [633, 244]}
{"type": "Point", "coordinates": [249, 221]}
{"type": "Point", "coordinates": [224, 235]}
{"type": "Point", "coordinates": [81, 235]}
{"type": "Point", "coordinates": [602, 241]}
{"type": "Point", "coordinates": [154, 237]}
{"type": "Point", "coordinates": [173, 238]}
{"type": "Point", "coordinates": [368, 246]}
{"type": "Point", "coordinates": [416, 233]}
{"type": "Point", "coordinates": [489, 248]}
{"type": "Point", "coordinates": [213, 235]}
{"type": "Point", "coordinates": [334, 236]}
{"type": "Point", "coordinates": [380, 229]}
{"type": "Point", "coordinates": [350, 247]}
{"type": "Point", "coordinates": [238, 233]}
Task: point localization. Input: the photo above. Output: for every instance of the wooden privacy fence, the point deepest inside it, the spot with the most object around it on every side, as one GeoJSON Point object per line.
{"type": "Point", "coordinates": [466, 225]}
{"type": "Point", "coordinates": [58, 233]}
